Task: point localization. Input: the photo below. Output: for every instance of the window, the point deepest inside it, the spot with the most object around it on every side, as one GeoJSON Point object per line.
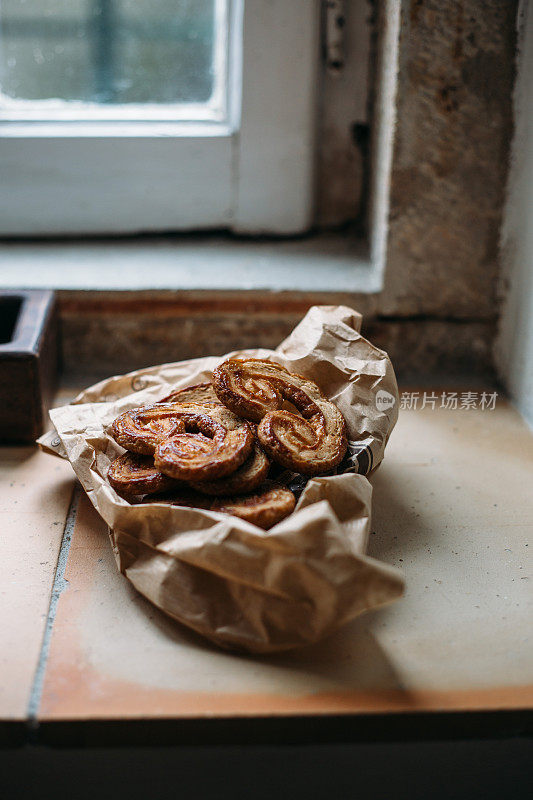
{"type": "Point", "coordinates": [119, 116]}
{"type": "Point", "coordinates": [114, 59]}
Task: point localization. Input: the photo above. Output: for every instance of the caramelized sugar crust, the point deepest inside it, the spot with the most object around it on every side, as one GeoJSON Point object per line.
{"type": "Point", "coordinates": [312, 441]}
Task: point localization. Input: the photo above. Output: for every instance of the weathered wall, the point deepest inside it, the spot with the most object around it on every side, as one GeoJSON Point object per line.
{"type": "Point", "coordinates": [342, 125]}
{"type": "Point", "coordinates": [514, 346]}
{"type": "Point", "coordinates": [454, 125]}
{"type": "Point", "coordinates": [438, 309]}
{"type": "Point", "coordinates": [121, 331]}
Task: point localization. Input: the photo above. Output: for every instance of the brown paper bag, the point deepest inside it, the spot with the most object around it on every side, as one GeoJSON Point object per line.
{"type": "Point", "coordinates": [240, 586]}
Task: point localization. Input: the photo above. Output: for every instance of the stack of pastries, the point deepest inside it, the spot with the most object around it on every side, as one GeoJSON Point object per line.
{"type": "Point", "coordinates": [233, 445]}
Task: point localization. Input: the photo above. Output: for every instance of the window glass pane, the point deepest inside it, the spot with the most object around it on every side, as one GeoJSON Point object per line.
{"type": "Point", "coordinates": [108, 51]}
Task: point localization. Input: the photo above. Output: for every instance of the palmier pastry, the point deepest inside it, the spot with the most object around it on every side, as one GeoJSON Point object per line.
{"type": "Point", "coordinates": [312, 443]}
{"type": "Point", "coordinates": [264, 508]}
{"type": "Point", "coordinates": [248, 477]}
{"type": "Point", "coordinates": [131, 475]}
{"type": "Point", "coordinates": [189, 441]}
{"type": "Point", "coordinates": [181, 497]}
{"type": "Point", "coordinates": [199, 393]}
{"type": "Point", "coordinates": [215, 443]}
{"type": "Point", "coordinates": [142, 429]}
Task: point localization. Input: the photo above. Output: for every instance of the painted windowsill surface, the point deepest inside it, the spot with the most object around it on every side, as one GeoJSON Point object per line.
{"type": "Point", "coordinates": [320, 263]}
{"type": "Point", "coordinates": [81, 645]}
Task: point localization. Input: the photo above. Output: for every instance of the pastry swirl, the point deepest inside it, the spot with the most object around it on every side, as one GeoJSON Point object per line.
{"type": "Point", "coordinates": [246, 478]}
{"type": "Point", "coordinates": [214, 444]}
{"type": "Point", "coordinates": [132, 475]}
{"type": "Point", "coordinates": [312, 443]}
{"type": "Point", "coordinates": [199, 393]}
{"type": "Point", "coordinates": [141, 430]}
{"type": "Point", "coordinates": [267, 506]}
{"type": "Point", "coordinates": [189, 441]}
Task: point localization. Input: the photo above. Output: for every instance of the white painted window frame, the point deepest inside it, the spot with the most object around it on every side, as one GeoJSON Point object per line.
{"type": "Point", "coordinates": [250, 172]}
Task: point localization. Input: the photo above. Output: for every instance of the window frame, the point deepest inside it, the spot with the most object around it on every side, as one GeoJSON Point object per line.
{"type": "Point", "coordinates": [218, 108]}
{"type": "Point", "coordinates": [250, 173]}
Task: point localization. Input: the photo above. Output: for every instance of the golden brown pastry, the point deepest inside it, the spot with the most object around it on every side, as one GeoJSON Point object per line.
{"type": "Point", "coordinates": [248, 477]}
{"type": "Point", "coordinates": [199, 393]}
{"type": "Point", "coordinates": [190, 441]}
{"type": "Point", "coordinates": [215, 443]}
{"type": "Point", "coordinates": [312, 443]}
{"type": "Point", "coordinates": [250, 387]}
{"type": "Point", "coordinates": [264, 508]}
{"type": "Point", "coordinates": [184, 496]}
{"type": "Point", "coordinates": [132, 475]}
{"type": "Point", "coordinates": [142, 429]}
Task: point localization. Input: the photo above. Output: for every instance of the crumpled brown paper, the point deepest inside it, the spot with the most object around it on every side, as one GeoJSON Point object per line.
{"type": "Point", "coordinates": [240, 586]}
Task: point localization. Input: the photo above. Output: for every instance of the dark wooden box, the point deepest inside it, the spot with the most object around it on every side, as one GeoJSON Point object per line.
{"type": "Point", "coordinates": [28, 362]}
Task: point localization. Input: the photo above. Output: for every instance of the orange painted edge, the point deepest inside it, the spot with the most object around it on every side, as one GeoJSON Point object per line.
{"type": "Point", "coordinates": [75, 690]}
{"type": "Point", "coordinates": [106, 698]}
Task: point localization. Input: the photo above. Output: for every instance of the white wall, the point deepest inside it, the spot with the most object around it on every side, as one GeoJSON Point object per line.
{"type": "Point", "coordinates": [514, 346]}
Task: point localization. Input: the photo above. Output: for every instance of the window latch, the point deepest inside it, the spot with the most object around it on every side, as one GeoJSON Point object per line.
{"type": "Point", "coordinates": [334, 35]}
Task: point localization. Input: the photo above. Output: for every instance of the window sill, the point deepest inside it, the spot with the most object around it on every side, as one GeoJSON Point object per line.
{"type": "Point", "coordinates": [319, 263]}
